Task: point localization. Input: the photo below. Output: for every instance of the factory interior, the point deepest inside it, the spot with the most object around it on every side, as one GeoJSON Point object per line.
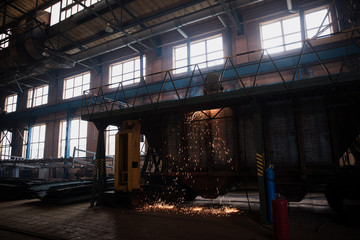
{"type": "Point", "coordinates": [179, 119]}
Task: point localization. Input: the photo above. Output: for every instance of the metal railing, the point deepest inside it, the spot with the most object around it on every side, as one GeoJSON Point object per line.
{"type": "Point", "coordinates": [6, 160]}
{"type": "Point", "coordinates": [90, 161]}
{"type": "Point", "coordinates": [241, 72]}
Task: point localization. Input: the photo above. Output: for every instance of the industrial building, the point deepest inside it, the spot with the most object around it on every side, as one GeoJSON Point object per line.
{"type": "Point", "coordinates": [113, 101]}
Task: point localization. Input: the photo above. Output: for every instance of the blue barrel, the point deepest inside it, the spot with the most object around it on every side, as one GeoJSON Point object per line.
{"type": "Point", "coordinates": [270, 190]}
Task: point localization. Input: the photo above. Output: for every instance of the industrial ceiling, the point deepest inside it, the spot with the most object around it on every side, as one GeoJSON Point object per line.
{"type": "Point", "coordinates": [33, 47]}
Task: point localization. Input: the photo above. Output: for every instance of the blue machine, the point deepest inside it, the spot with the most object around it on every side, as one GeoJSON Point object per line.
{"type": "Point", "coordinates": [270, 190]}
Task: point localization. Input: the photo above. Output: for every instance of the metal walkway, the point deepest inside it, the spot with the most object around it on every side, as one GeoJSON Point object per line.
{"type": "Point", "coordinates": [321, 62]}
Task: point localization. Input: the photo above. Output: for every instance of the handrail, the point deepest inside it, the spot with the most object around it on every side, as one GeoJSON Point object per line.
{"type": "Point", "coordinates": [259, 68]}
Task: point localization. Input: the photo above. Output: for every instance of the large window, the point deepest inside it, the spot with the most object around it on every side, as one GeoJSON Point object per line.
{"type": "Point", "coordinates": [74, 86]}
{"type": "Point", "coordinates": [38, 96]}
{"type": "Point", "coordinates": [66, 8]}
{"type": "Point", "coordinates": [288, 32]}
{"type": "Point", "coordinates": [37, 142]}
{"type": "Point", "coordinates": [5, 145]}
{"type": "Point", "coordinates": [78, 135]}
{"type": "Point", "coordinates": [207, 53]}
{"type": "Point", "coordinates": [10, 103]}
{"type": "Point", "coordinates": [110, 140]}
{"type": "Point", "coordinates": [127, 72]}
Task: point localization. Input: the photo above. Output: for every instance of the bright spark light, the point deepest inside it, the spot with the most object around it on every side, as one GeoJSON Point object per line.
{"type": "Point", "coordinates": [223, 211]}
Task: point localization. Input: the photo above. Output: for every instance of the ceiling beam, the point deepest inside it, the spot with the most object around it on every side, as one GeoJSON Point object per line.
{"type": "Point", "coordinates": [232, 18]}
{"type": "Point", "coordinates": [138, 21]}
{"type": "Point", "coordinates": [26, 15]}
{"type": "Point", "coordinates": [113, 25]}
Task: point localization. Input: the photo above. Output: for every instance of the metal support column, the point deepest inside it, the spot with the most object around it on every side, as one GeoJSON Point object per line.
{"type": "Point", "coordinates": [302, 25]}
{"type": "Point", "coordinates": [141, 64]}
{"type": "Point", "coordinates": [260, 163]}
{"type": "Point", "coordinates": [188, 52]}
{"type": "Point", "coordinates": [67, 143]}
{"type": "Point", "coordinates": [27, 155]}
{"type": "Point", "coordinates": [99, 179]}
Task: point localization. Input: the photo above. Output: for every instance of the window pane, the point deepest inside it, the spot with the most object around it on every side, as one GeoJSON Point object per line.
{"type": "Point", "coordinates": [69, 83]}
{"type": "Point", "coordinates": [198, 59]}
{"type": "Point", "coordinates": [41, 147]}
{"type": "Point", "coordinates": [271, 30]}
{"type": "Point", "coordinates": [34, 150]}
{"type": "Point", "coordinates": [83, 129]}
{"type": "Point", "coordinates": [291, 25]}
{"type": "Point", "coordinates": [137, 76]}
{"type": "Point", "coordinates": [74, 129]}
{"type": "Point", "coordinates": [116, 79]}
{"type": "Point", "coordinates": [35, 134]}
{"type": "Point", "coordinates": [273, 42]}
{"type": "Point", "coordinates": [197, 49]}
{"type": "Point", "coordinates": [291, 39]}
{"type": "Point", "coordinates": [137, 64]}
{"type": "Point", "coordinates": [45, 90]}
{"type": "Point", "coordinates": [314, 19]}
{"type": "Point", "coordinates": [128, 66]}
{"type": "Point", "coordinates": [180, 53]}
{"type": "Point", "coordinates": [78, 81]}
{"type": "Point", "coordinates": [215, 62]}
{"type": "Point", "coordinates": [86, 78]}
{"type": "Point", "coordinates": [77, 91]}
{"type": "Point", "coordinates": [55, 14]}
{"type": "Point", "coordinates": [38, 92]}
{"type": "Point", "coordinates": [73, 143]}
{"type": "Point", "coordinates": [44, 99]}
{"type": "Point", "coordinates": [181, 63]}
{"type": "Point", "coordinates": [69, 93]}
{"type": "Point", "coordinates": [63, 129]}
{"type": "Point", "coordinates": [215, 44]}
{"type": "Point", "coordinates": [128, 76]}
{"type": "Point", "coordinates": [85, 87]}
{"type": "Point", "coordinates": [116, 70]}
{"type": "Point", "coordinates": [215, 55]}
{"type": "Point", "coordinates": [42, 136]}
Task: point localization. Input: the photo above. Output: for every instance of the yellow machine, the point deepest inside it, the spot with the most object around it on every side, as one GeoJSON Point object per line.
{"type": "Point", "coordinates": [127, 157]}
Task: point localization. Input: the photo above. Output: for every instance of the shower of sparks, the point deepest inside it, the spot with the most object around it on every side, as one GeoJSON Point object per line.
{"type": "Point", "coordinates": [221, 211]}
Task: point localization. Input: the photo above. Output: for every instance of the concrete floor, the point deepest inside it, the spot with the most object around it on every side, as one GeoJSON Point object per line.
{"type": "Point", "coordinates": [33, 219]}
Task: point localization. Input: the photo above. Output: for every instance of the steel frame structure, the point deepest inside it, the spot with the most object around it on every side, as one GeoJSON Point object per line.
{"type": "Point", "coordinates": [167, 90]}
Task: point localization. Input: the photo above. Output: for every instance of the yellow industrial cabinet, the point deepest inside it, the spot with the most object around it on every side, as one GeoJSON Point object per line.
{"type": "Point", "coordinates": [127, 157]}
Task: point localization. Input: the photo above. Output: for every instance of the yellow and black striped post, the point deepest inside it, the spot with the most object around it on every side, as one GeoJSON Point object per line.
{"type": "Point", "coordinates": [260, 165]}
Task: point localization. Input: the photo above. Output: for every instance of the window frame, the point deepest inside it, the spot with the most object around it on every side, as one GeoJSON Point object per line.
{"type": "Point", "coordinates": [24, 143]}
{"type": "Point", "coordinates": [32, 96]}
{"type": "Point", "coordinates": [70, 138]}
{"type": "Point", "coordinates": [131, 81]}
{"type": "Point", "coordinates": [188, 59]}
{"type": "Point", "coordinates": [13, 104]}
{"type": "Point", "coordinates": [283, 35]}
{"type": "Point", "coordinates": [110, 133]}
{"type": "Point", "coordinates": [65, 9]}
{"type": "Point", "coordinates": [5, 39]}
{"type": "Point", "coordinates": [6, 140]}
{"type": "Point", "coordinates": [34, 141]}
{"type": "Point", "coordinates": [81, 86]}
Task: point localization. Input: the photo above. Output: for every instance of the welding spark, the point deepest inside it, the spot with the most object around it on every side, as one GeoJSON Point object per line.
{"type": "Point", "coordinates": [223, 211]}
